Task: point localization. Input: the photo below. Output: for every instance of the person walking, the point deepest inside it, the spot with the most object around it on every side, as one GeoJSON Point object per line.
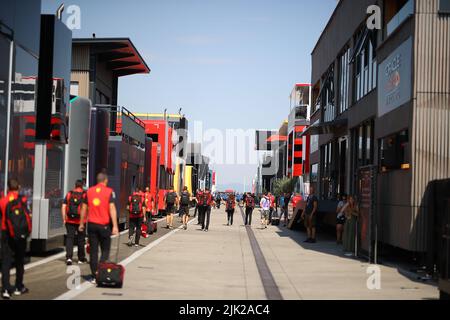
{"type": "Point", "coordinates": [195, 200]}
{"type": "Point", "coordinates": [340, 218]}
{"type": "Point", "coordinates": [272, 206]}
{"type": "Point", "coordinates": [185, 202]}
{"type": "Point", "coordinates": [310, 214]}
{"type": "Point", "coordinates": [201, 204]}
{"type": "Point", "coordinates": [16, 228]}
{"type": "Point", "coordinates": [230, 209]}
{"type": "Point", "coordinates": [281, 202]}
{"type": "Point", "coordinates": [137, 210]}
{"type": "Point", "coordinates": [351, 216]}
{"type": "Point", "coordinates": [171, 200]}
{"type": "Point", "coordinates": [218, 200]}
{"type": "Point", "coordinates": [71, 214]}
{"type": "Point", "coordinates": [249, 207]}
{"type": "Point", "coordinates": [101, 212]}
{"type": "Point", "coordinates": [149, 204]}
{"type": "Point", "coordinates": [208, 202]}
{"type": "Point", "coordinates": [265, 210]}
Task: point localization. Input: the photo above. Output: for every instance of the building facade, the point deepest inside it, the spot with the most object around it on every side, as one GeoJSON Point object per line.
{"type": "Point", "coordinates": [381, 114]}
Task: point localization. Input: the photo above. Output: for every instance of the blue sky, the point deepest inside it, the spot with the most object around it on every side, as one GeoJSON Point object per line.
{"type": "Point", "coordinates": [229, 63]}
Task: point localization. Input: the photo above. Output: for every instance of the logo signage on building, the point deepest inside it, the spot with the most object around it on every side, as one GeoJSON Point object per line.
{"type": "Point", "coordinates": [394, 79]}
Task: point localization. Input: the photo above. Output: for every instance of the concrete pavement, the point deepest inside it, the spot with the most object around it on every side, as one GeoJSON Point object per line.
{"type": "Point", "coordinates": [221, 265]}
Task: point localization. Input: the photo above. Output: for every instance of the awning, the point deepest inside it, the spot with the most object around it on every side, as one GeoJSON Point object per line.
{"type": "Point", "coordinates": [277, 138]}
{"type": "Point", "coordinates": [325, 127]}
{"type": "Point", "coordinates": [120, 54]}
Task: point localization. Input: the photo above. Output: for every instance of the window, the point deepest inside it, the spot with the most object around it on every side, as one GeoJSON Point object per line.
{"type": "Point", "coordinates": [364, 56]}
{"type": "Point", "coordinates": [74, 85]}
{"type": "Point", "coordinates": [444, 6]}
{"type": "Point", "coordinates": [327, 96]}
{"type": "Point", "coordinates": [363, 138]}
{"type": "Point", "coordinates": [344, 80]}
{"type": "Point", "coordinates": [314, 172]}
{"type": "Point", "coordinates": [393, 152]}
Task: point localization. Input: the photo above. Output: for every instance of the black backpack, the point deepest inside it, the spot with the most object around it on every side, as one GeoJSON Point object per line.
{"type": "Point", "coordinates": [185, 199]}
{"type": "Point", "coordinates": [74, 202]}
{"type": "Point", "coordinates": [18, 219]}
{"type": "Point", "coordinates": [170, 198]}
{"type": "Point", "coordinates": [250, 202]}
{"type": "Point", "coordinates": [136, 204]}
{"type": "Point", "coordinates": [230, 204]}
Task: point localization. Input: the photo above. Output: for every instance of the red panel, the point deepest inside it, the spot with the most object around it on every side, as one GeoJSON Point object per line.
{"type": "Point", "coordinates": [308, 152]}
{"type": "Point", "coordinates": [298, 154]}
{"type": "Point", "coordinates": [298, 170]}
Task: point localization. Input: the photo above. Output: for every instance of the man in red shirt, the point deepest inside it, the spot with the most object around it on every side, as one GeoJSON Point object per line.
{"type": "Point", "coordinates": [70, 211]}
{"type": "Point", "coordinates": [101, 212]}
{"type": "Point", "coordinates": [149, 203]}
{"type": "Point", "coordinates": [136, 207]}
{"type": "Point", "coordinates": [208, 202]}
{"type": "Point", "coordinates": [14, 239]}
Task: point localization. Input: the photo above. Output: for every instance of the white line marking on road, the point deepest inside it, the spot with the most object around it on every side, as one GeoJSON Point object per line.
{"type": "Point", "coordinates": [62, 255]}
{"type": "Point", "coordinates": [87, 285]}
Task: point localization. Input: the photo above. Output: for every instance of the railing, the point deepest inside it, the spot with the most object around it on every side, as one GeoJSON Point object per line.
{"type": "Point", "coordinates": [402, 15]}
{"type": "Point", "coordinates": [330, 113]}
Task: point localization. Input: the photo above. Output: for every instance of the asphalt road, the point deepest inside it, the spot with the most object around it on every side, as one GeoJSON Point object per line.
{"type": "Point", "coordinates": [48, 280]}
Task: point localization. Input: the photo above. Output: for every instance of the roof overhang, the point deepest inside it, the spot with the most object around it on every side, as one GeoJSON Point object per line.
{"type": "Point", "coordinates": [277, 138]}
{"type": "Point", "coordinates": [325, 127]}
{"type": "Point", "coordinates": [120, 54]}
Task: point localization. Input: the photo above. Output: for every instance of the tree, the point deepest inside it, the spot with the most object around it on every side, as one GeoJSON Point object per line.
{"type": "Point", "coordinates": [285, 185]}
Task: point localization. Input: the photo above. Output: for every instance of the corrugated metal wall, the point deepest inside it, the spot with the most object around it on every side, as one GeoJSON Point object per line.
{"type": "Point", "coordinates": [430, 136]}
{"type": "Point", "coordinates": [80, 58]}
{"type": "Point", "coordinates": [80, 69]}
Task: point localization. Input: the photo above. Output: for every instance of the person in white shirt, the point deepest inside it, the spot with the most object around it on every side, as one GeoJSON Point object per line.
{"type": "Point", "coordinates": [265, 210]}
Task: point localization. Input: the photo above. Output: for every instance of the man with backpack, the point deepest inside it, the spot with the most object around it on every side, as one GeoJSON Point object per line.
{"type": "Point", "coordinates": [207, 203]}
{"type": "Point", "coordinates": [70, 210]}
{"type": "Point", "coordinates": [171, 201]}
{"type": "Point", "coordinates": [136, 207]}
{"type": "Point", "coordinates": [200, 195]}
{"type": "Point", "coordinates": [185, 202]}
{"type": "Point", "coordinates": [16, 228]}
{"type": "Point", "coordinates": [230, 207]}
{"type": "Point", "coordinates": [100, 209]}
{"type": "Point", "coordinates": [249, 207]}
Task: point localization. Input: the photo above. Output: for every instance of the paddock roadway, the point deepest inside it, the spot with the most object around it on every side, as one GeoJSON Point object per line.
{"type": "Point", "coordinates": [224, 264]}
{"type": "Point", "coordinates": [47, 278]}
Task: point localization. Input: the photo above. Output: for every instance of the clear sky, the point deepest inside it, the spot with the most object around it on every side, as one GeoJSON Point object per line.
{"type": "Point", "coordinates": [228, 63]}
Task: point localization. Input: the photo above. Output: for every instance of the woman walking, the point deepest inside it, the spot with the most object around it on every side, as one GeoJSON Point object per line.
{"type": "Point", "coordinates": [351, 216]}
{"type": "Point", "coordinates": [340, 219]}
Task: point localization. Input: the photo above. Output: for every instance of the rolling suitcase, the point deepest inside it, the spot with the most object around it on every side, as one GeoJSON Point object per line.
{"type": "Point", "coordinates": [110, 274]}
{"type": "Point", "coordinates": [275, 218]}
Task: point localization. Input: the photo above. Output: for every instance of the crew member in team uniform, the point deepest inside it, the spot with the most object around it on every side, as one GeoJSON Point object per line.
{"type": "Point", "coordinates": [70, 211]}
{"type": "Point", "coordinates": [149, 203]}
{"type": "Point", "coordinates": [249, 207]}
{"type": "Point", "coordinates": [208, 202]}
{"type": "Point", "coordinates": [200, 206]}
{"type": "Point", "coordinates": [16, 228]}
{"type": "Point", "coordinates": [101, 212]}
{"type": "Point", "coordinates": [230, 208]}
{"type": "Point", "coordinates": [136, 207]}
